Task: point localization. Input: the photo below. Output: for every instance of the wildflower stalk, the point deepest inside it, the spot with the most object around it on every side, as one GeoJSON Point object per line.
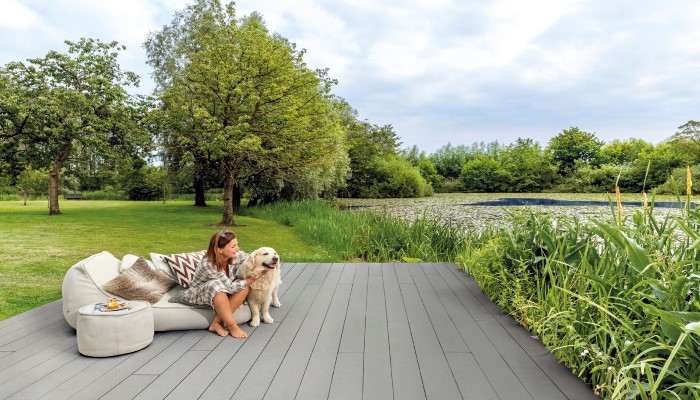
{"type": "Point", "coordinates": [619, 206]}
{"type": "Point", "coordinates": [644, 193]}
{"type": "Point", "coordinates": [688, 190]}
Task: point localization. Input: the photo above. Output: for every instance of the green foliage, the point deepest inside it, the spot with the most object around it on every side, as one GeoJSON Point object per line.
{"type": "Point", "coordinates": [66, 104]}
{"type": "Point", "coordinates": [236, 97]}
{"type": "Point", "coordinates": [449, 160]}
{"type": "Point", "coordinates": [146, 182]}
{"type": "Point", "coordinates": [574, 146]}
{"type": "Point", "coordinates": [484, 174]}
{"type": "Point", "coordinates": [619, 152]}
{"type": "Point", "coordinates": [393, 177]}
{"type": "Point", "coordinates": [616, 305]}
{"type": "Point", "coordinates": [680, 176]}
{"type": "Point", "coordinates": [430, 174]}
{"type": "Point", "coordinates": [590, 179]}
{"type": "Point", "coordinates": [32, 182]}
{"type": "Point", "coordinates": [664, 158]}
{"type": "Point", "coordinates": [530, 168]}
{"type": "Point", "coordinates": [367, 236]}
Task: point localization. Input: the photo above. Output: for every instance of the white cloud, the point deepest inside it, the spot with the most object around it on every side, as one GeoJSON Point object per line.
{"type": "Point", "coordinates": [17, 16]}
{"type": "Point", "coordinates": [458, 70]}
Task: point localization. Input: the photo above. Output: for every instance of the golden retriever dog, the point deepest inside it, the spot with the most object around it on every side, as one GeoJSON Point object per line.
{"type": "Point", "coordinates": [263, 291]}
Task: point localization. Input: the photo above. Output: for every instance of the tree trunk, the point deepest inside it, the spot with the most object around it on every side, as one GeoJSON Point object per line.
{"type": "Point", "coordinates": [199, 200]}
{"type": "Point", "coordinates": [227, 219]}
{"type": "Point", "coordinates": [199, 171]}
{"type": "Point", "coordinates": [54, 175]}
{"type": "Point", "coordinates": [236, 197]}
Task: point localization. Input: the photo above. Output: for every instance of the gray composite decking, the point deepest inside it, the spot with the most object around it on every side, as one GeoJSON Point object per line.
{"type": "Point", "coordinates": [344, 331]}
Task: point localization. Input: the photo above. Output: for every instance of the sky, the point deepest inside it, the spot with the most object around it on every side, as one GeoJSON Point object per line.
{"type": "Point", "coordinates": [443, 71]}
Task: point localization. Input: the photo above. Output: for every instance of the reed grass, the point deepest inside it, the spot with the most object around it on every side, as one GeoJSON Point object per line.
{"type": "Point", "coordinates": [368, 236]}
{"type": "Point", "coordinates": [612, 300]}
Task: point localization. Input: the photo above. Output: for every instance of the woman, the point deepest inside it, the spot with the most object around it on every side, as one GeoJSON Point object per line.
{"type": "Point", "coordinates": [215, 284]}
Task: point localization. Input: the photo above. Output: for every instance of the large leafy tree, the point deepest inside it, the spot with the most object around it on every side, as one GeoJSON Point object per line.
{"type": "Point", "coordinates": [529, 166]}
{"type": "Point", "coordinates": [64, 103]}
{"type": "Point", "coordinates": [573, 146]}
{"type": "Point", "coordinates": [244, 100]}
{"type": "Point", "coordinates": [621, 152]}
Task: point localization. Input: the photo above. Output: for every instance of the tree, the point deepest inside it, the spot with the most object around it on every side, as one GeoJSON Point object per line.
{"type": "Point", "coordinates": [449, 160]}
{"type": "Point", "coordinates": [574, 145]}
{"type": "Point", "coordinates": [31, 182]}
{"type": "Point", "coordinates": [248, 98]}
{"type": "Point", "coordinates": [529, 167]}
{"type": "Point", "coordinates": [623, 151]}
{"type": "Point", "coordinates": [484, 174]}
{"type": "Point", "coordinates": [689, 130]}
{"type": "Point", "coordinates": [64, 102]}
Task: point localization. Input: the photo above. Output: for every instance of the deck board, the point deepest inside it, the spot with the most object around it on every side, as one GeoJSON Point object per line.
{"type": "Point", "coordinates": [344, 331]}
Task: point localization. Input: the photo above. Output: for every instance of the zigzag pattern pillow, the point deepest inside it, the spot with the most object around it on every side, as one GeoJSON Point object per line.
{"type": "Point", "coordinates": [183, 265]}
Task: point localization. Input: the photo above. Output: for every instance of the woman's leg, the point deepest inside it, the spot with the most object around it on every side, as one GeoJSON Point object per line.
{"type": "Point", "coordinates": [235, 301]}
{"type": "Point", "coordinates": [222, 308]}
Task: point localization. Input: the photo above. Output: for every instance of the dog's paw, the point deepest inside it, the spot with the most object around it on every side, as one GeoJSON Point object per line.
{"type": "Point", "coordinates": [255, 322]}
{"type": "Point", "coordinates": [276, 304]}
{"type": "Point", "coordinates": [268, 319]}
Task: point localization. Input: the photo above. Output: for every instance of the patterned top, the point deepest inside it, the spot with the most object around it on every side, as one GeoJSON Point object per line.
{"type": "Point", "coordinates": [207, 282]}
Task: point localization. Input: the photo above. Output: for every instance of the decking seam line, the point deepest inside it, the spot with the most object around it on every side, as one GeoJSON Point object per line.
{"type": "Point", "coordinates": [133, 373]}
{"type": "Point", "coordinates": [511, 336]}
{"type": "Point", "coordinates": [410, 331]}
{"type": "Point", "coordinates": [36, 366]}
{"type": "Point", "coordinates": [386, 321]}
{"type": "Point", "coordinates": [335, 366]}
{"type": "Point", "coordinates": [419, 268]}
{"type": "Point", "coordinates": [273, 334]}
{"type": "Point", "coordinates": [46, 327]}
{"type": "Point", "coordinates": [252, 365]}
{"type": "Point", "coordinates": [460, 334]}
{"type": "Point", "coordinates": [492, 343]}
{"type": "Point", "coordinates": [261, 351]}
{"type": "Point", "coordinates": [308, 360]}
{"type": "Point", "coordinates": [300, 325]}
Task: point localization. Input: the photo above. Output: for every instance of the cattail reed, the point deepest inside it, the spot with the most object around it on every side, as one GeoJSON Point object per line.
{"type": "Point", "coordinates": [619, 205]}
{"type": "Point", "coordinates": [688, 188]}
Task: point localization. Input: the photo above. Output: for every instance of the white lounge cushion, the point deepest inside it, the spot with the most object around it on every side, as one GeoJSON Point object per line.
{"type": "Point", "coordinates": [175, 316]}
{"type": "Point", "coordinates": [104, 334]}
{"type": "Point", "coordinates": [82, 286]}
{"type": "Point", "coordinates": [83, 281]}
{"type": "Point", "coordinates": [163, 266]}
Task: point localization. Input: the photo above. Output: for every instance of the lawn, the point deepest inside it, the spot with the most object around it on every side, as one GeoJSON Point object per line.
{"type": "Point", "coordinates": [36, 249]}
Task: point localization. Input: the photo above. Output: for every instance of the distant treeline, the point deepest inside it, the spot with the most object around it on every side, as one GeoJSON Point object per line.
{"type": "Point", "coordinates": [573, 161]}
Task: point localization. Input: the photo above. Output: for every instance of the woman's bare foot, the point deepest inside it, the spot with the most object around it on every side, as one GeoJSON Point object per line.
{"type": "Point", "coordinates": [237, 332]}
{"type": "Point", "coordinates": [218, 328]}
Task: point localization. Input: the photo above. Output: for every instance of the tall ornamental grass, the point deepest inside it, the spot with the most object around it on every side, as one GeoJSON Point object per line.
{"type": "Point", "coordinates": [618, 302]}
{"type": "Point", "coordinates": [367, 236]}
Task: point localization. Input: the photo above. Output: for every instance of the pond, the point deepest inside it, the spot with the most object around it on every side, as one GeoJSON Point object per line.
{"type": "Point", "coordinates": [531, 201]}
{"type": "Point", "coordinates": [476, 211]}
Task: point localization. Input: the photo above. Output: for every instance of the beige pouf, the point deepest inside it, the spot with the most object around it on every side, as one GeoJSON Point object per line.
{"type": "Point", "coordinates": [104, 334]}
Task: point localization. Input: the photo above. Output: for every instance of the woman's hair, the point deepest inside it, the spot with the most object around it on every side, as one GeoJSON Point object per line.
{"type": "Point", "coordinates": [217, 241]}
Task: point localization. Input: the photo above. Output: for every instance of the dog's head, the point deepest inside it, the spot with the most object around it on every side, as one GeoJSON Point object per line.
{"type": "Point", "coordinates": [266, 257]}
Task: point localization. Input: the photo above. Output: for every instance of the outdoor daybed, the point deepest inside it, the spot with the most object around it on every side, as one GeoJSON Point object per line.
{"type": "Point", "coordinates": [84, 281]}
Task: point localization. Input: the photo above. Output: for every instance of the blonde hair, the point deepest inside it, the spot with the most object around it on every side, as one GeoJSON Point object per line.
{"type": "Point", "coordinates": [217, 241]}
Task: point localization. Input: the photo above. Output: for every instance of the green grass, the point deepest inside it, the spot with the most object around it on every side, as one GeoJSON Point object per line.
{"type": "Point", "coordinates": [37, 249]}
{"type": "Point", "coordinates": [367, 236]}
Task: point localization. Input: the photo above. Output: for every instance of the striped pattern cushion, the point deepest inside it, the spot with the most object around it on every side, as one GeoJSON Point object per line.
{"type": "Point", "coordinates": [183, 265]}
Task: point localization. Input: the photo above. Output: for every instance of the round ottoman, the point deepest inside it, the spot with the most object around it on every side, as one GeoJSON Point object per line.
{"type": "Point", "coordinates": [109, 333]}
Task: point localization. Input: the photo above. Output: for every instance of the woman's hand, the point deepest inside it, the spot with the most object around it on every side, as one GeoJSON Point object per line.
{"type": "Point", "coordinates": [251, 279]}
